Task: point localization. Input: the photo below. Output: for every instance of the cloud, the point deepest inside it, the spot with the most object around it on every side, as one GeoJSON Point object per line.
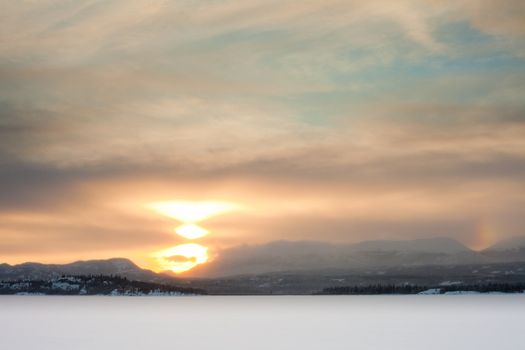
{"type": "Point", "coordinates": [334, 119]}
{"type": "Point", "coordinates": [499, 18]}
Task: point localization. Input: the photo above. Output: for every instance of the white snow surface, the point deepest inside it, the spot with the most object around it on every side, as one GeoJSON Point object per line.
{"type": "Point", "coordinates": [263, 322]}
{"type": "Point", "coordinates": [431, 291]}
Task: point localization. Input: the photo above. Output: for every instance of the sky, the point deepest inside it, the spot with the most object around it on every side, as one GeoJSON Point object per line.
{"type": "Point", "coordinates": [325, 120]}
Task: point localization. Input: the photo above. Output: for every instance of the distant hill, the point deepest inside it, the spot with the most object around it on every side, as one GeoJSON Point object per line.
{"type": "Point", "coordinates": [514, 243]}
{"type": "Point", "coordinates": [282, 256]}
{"type": "Point", "coordinates": [511, 249]}
{"type": "Point", "coordinates": [438, 245]}
{"type": "Point", "coordinates": [291, 256]}
{"type": "Point", "coordinates": [116, 266]}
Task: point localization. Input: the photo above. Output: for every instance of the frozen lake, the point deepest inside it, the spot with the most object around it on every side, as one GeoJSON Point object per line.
{"type": "Point", "coordinates": [263, 322]}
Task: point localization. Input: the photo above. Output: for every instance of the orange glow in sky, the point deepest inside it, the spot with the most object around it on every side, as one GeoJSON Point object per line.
{"type": "Point", "coordinates": [191, 212]}
{"type": "Point", "coordinates": [191, 231]}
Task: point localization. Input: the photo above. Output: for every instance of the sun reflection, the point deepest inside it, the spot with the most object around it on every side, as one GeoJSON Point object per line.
{"type": "Point", "coordinates": [191, 231]}
{"type": "Point", "coordinates": [182, 257]}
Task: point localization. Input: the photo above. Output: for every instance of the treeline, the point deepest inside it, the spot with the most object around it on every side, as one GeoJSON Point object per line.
{"type": "Point", "coordinates": [92, 285]}
{"type": "Point", "coordinates": [377, 289]}
{"type": "Point", "coordinates": [487, 288]}
{"type": "Point", "coordinates": [374, 289]}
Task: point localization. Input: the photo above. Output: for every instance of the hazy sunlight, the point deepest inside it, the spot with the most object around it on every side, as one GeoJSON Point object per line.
{"type": "Point", "coordinates": [191, 212]}
{"type": "Point", "coordinates": [191, 231]}
{"type": "Point", "coordinates": [182, 257]}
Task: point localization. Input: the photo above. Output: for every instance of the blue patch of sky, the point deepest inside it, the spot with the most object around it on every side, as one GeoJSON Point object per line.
{"type": "Point", "coordinates": [473, 54]}
{"type": "Point", "coordinates": [468, 51]}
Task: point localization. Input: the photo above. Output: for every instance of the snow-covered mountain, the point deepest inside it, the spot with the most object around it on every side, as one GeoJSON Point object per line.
{"type": "Point", "coordinates": [514, 243]}
{"type": "Point", "coordinates": [440, 245]}
{"type": "Point", "coordinates": [511, 249]}
{"type": "Point", "coordinates": [293, 256]}
{"type": "Point", "coordinates": [116, 266]}
{"type": "Point", "coordinates": [315, 256]}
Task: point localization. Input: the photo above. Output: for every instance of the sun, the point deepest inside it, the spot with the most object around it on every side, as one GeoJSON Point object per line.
{"type": "Point", "coordinates": [192, 212]}
{"type": "Point", "coordinates": [182, 257]}
{"type": "Point", "coordinates": [191, 231]}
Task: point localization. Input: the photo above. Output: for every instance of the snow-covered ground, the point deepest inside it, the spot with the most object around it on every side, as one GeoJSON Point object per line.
{"type": "Point", "coordinates": [271, 322]}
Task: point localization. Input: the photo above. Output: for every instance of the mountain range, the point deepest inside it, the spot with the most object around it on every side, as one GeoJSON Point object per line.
{"type": "Point", "coordinates": [116, 267]}
{"type": "Point", "coordinates": [281, 256]}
